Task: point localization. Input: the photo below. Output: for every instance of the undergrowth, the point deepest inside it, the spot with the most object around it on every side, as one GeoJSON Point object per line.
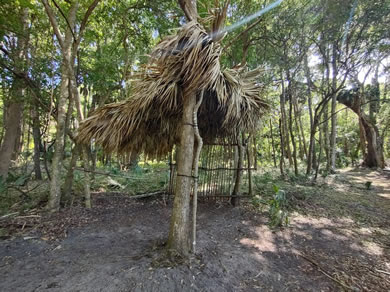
{"type": "Point", "coordinates": [278, 195]}
{"type": "Point", "coordinates": [21, 193]}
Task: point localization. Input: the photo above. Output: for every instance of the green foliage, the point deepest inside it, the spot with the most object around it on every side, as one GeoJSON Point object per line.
{"type": "Point", "coordinates": [278, 208]}
{"type": "Point", "coordinates": [277, 204]}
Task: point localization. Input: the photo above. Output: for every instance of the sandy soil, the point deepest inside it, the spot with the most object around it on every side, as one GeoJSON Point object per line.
{"type": "Point", "coordinates": [119, 246]}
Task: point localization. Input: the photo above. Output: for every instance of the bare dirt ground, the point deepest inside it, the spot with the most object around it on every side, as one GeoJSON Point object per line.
{"type": "Point", "coordinates": [338, 239]}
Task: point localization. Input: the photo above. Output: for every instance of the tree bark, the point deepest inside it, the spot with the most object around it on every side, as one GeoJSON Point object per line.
{"type": "Point", "coordinates": [66, 50]}
{"type": "Point", "coordinates": [290, 124]}
{"type": "Point", "coordinates": [179, 239]}
{"type": "Point", "coordinates": [281, 162]}
{"type": "Point", "coordinates": [37, 141]}
{"type": "Point", "coordinates": [333, 146]}
{"type": "Point", "coordinates": [373, 156]}
{"type": "Point", "coordinates": [325, 129]}
{"type": "Point", "coordinates": [189, 8]}
{"type": "Point", "coordinates": [68, 184]}
{"type": "Point", "coordinates": [13, 116]}
{"type": "Point", "coordinates": [285, 132]}
{"type": "Point", "coordinates": [236, 190]}
{"type": "Point", "coordinates": [273, 144]}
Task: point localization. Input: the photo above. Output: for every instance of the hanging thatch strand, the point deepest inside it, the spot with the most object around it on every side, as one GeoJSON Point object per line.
{"type": "Point", "coordinates": [186, 63]}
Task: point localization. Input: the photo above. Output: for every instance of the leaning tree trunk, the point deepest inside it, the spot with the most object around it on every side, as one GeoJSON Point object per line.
{"type": "Point", "coordinates": [373, 156]}
{"type": "Point", "coordinates": [179, 239]}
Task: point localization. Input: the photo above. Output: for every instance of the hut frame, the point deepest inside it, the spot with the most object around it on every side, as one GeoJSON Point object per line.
{"type": "Point", "coordinates": [218, 170]}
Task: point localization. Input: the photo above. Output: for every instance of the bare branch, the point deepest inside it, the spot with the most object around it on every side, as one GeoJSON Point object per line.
{"type": "Point", "coordinates": [189, 8]}
{"type": "Point", "coordinates": [66, 19]}
{"type": "Point", "coordinates": [54, 23]}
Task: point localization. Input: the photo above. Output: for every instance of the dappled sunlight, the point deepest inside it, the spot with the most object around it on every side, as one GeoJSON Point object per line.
{"type": "Point", "coordinates": [342, 230]}
{"type": "Point", "coordinates": [264, 241]}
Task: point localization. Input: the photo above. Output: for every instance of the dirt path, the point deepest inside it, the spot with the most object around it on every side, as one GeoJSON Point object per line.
{"type": "Point", "coordinates": [118, 246]}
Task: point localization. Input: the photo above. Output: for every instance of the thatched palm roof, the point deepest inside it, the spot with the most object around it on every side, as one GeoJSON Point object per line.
{"type": "Point", "coordinates": [149, 121]}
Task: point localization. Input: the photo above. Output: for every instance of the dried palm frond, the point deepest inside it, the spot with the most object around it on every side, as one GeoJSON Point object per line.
{"type": "Point", "coordinates": [180, 65]}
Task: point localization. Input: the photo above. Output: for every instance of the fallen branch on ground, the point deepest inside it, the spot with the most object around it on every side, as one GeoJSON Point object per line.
{"type": "Point", "coordinates": [325, 272]}
{"type": "Point", "coordinates": [384, 272]}
{"type": "Point", "coordinates": [128, 196]}
{"type": "Point", "coordinates": [9, 215]}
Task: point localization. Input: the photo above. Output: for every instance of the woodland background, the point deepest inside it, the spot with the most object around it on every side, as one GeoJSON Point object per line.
{"type": "Point", "coordinates": [325, 74]}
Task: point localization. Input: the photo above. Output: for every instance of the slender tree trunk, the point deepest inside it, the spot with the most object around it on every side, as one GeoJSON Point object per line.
{"type": "Point", "coordinates": [66, 48]}
{"type": "Point", "coordinates": [273, 143]}
{"type": "Point", "coordinates": [179, 240]}
{"type": "Point", "coordinates": [290, 123]}
{"type": "Point", "coordinates": [319, 157]}
{"type": "Point", "coordinates": [236, 190]}
{"type": "Point", "coordinates": [333, 146]}
{"type": "Point", "coordinates": [300, 129]}
{"type": "Point", "coordinates": [325, 129]}
{"type": "Point", "coordinates": [284, 124]}
{"type": "Point", "coordinates": [55, 184]}
{"type": "Point", "coordinates": [37, 141]}
{"type": "Point", "coordinates": [69, 175]}
{"type": "Point", "coordinates": [80, 116]}
{"type": "Point", "coordinates": [250, 188]}
{"type": "Point", "coordinates": [18, 146]}
{"type": "Point", "coordinates": [281, 162]}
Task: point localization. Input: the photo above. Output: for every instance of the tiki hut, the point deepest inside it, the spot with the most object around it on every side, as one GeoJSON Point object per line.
{"type": "Point", "coordinates": [149, 121]}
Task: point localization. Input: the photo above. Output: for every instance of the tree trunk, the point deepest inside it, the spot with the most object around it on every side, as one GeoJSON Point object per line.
{"type": "Point", "coordinates": [290, 124]}
{"type": "Point", "coordinates": [179, 239]}
{"type": "Point", "coordinates": [55, 184]}
{"type": "Point", "coordinates": [333, 146]}
{"type": "Point", "coordinates": [14, 115]}
{"type": "Point", "coordinates": [285, 132]}
{"type": "Point", "coordinates": [273, 144]}
{"type": "Point", "coordinates": [300, 129]}
{"type": "Point", "coordinates": [325, 129]}
{"type": "Point", "coordinates": [236, 190]}
{"type": "Point", "coordinates": [37, 141]}
{"type": "Point", "coordinates": [66, 49]}
{"type": "Point", "coordinates": [369, 133]}
{"type": "Point", "coordinates": [68, 184]}
{"type": "Point", "coordinates": [18, 146]}
{"type": "Point", "coordinates": [281, 162]}
{"type": "Point", "coordinates": [374, 154]}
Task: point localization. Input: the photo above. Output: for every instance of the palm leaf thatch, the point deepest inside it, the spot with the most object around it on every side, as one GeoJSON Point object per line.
{"type": "Point", "coordinates": [183, 64]}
